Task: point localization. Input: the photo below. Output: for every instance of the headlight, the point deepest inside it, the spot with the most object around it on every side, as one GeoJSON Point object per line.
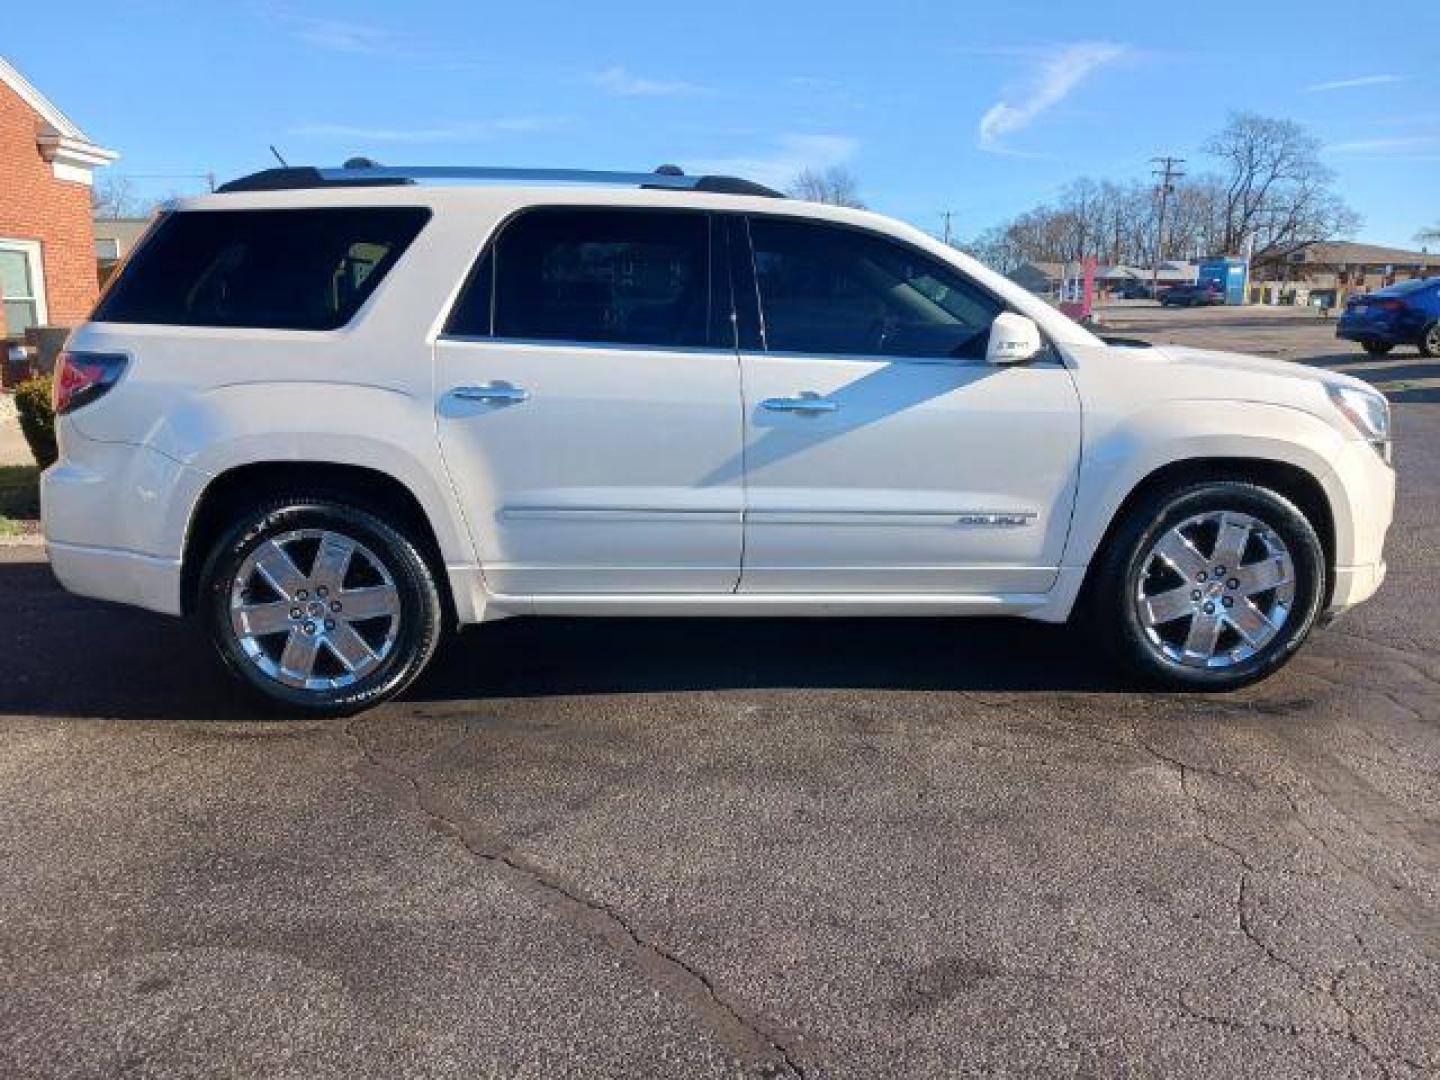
{"type": "Point", "coordinates": [1368, 412]}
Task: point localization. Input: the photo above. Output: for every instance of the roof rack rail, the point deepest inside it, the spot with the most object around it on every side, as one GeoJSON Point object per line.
{"type": "Point", "coordinates": [369, 175]}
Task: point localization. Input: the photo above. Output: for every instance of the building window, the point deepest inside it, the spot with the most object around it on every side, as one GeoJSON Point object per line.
{"type": "Point", "coordinates": [22, 286]}
{"type": "Point", "coordinates": [107, 248]}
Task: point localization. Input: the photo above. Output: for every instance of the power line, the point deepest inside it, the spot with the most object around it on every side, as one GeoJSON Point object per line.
{"type": "Point", "coordinates": [208, 177]}
{"type": "Point", "coordinates": [1167, 173]}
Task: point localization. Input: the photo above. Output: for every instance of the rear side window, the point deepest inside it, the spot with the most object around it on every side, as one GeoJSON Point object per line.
{"type": "Point", "coordinates": [602, 276]}
{"type": "Point", "coordinates": [265, 269]}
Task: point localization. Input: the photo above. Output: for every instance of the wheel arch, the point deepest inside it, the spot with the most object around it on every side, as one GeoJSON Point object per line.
{"type": "Point", "coordinates": [1287, 479]}
{"type": "Point", "coordinates": [233, 491]}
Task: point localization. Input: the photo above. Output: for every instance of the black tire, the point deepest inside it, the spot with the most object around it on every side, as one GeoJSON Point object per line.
{"type": "Point", "coordinates": [1115, 583]}
{"type": "Point", "coordinates": [1376, 348]}
{"type": "Point", "coordinates": [409, 643]}
{"type": "Point", "coordinates": [1430, 340]}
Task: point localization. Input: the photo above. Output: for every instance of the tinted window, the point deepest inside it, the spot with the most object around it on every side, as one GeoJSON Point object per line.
{"type": "Point", "coordinates": [828, 289]}
{"type": "Point", "coordinates": [272, 269]}
{"type": "Point", "coordinates": [609, 276]}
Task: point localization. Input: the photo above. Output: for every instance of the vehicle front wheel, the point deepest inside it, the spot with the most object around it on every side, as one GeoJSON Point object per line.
{"type": "Point", "coordinates": [319, 606]}
{"type": "Point", "coordinates": [1208, 587]}
{"type": "Point", "coordinates": [1430, 340]}
{"type": "Point", "coordinates": [1376, 348]}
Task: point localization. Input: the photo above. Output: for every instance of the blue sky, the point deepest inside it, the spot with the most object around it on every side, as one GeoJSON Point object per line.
{"type": "Point", "coordinates": [980, 110]}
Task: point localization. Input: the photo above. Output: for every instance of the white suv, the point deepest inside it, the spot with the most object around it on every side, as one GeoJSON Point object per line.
{"type": "Point", "coordinates": [332, 411]}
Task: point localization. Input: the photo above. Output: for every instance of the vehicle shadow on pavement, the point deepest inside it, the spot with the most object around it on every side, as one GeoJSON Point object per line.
{"type": "Point", "coordinates": [71, 657]}
{"type": "Point", "coordinates": [553, 656]}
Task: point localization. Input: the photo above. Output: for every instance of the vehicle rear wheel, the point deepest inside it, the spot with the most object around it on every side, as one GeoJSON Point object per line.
{"type": "Point", "coordinates": [1376, 348]}
{"type": "Point", "coordinates": [320, 607]}
{"type": "Point", "coordinates": [1430, 340]}
{"type": "Point", "coordinates": [1209, 587]}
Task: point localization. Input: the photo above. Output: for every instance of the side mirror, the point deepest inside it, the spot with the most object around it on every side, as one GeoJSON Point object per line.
{"type": "Point", "coordinates": [1013, 338]}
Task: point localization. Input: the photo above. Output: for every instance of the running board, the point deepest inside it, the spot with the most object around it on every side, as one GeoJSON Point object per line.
{"type": "Point", "coordinates": [789, 605]}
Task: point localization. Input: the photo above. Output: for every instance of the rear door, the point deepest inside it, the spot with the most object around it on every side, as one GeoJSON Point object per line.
{"type": "Point", "coordinates": [883, 454]}
{"type": "Point", "coordinates": [589, 405]}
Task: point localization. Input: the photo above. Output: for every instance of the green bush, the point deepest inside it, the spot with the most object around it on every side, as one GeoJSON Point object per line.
{"type": "Point", "coordinates": [19, 494]}
{"type": "Point", "coordinates": [37, 420]}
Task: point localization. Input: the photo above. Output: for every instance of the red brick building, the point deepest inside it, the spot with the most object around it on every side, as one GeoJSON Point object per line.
{"type": "Point", "coordinates": [47, 242]}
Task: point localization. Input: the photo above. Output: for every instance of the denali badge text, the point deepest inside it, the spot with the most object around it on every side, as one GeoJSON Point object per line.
{"type": "Point", "coordinates": [1000, 520]}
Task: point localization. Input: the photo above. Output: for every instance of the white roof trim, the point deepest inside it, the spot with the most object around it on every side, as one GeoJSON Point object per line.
{"type": "Point", "coordinates": [64, 132]}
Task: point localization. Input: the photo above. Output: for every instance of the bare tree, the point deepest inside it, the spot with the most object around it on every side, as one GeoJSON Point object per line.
{"type": "Point", "coordinates": [1277, 192]}
{"type": "Point", "coordinates": [114, 197]}
{"type": "Point", "coordinates": [1429, 235]}
{"type": "Point", "coordinates": [836, 185]}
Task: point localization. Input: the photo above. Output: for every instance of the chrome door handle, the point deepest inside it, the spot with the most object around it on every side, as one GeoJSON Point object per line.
{"type": "Point", "coordinates": [807, 402]}
{"type": "Point", "coordinates": [496, 393]}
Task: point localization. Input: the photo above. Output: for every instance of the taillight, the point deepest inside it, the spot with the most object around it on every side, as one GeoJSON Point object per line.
{"type": "Point", "coordinates": [1390, 305]}
{"type": "Point", "coordinates": [81, 377]}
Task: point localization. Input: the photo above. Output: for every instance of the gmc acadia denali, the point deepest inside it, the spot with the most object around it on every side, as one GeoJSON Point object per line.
{"type": "Point", "coordinates": [330, 412]}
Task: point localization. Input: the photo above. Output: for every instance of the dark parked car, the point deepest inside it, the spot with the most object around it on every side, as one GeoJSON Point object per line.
{"type": "Point", "coordinates": [1202, 295]}
{"type": "Point", "coordinates": [1134, 290]}
{"type": "Point", "coordinates": [1406, 313]}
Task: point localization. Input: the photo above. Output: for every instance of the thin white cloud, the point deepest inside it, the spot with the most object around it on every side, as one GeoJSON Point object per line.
{"type": "Point", "coordinates": [1347, 84]}
{"type": "Point", "coordinates": [792, 154]}
{"type": "Point", "coordinates": [338, 35]}
{"type": "Point", "coordinates": [469, 131]}
{"type": "Point", "coordinates": [1392, 145]}
{"type": "Point", "coordinates": [622, 82]}
{"type": "Point", "coordinates": [1060, 72]}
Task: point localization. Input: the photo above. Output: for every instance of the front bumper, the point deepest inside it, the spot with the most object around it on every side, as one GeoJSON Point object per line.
{"type": "Point", "coordinates": [1362, 520]}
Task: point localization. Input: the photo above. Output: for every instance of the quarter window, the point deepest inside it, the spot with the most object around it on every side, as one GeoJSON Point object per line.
{"type": "Point", "coordinates": [600, 276]}
{"type": "Point", "coordinates": [834, 290]}
{"type": "Point", "coordinates": [273, 269]}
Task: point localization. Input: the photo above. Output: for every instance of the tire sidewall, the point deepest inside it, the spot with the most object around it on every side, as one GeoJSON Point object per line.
{"type": "Point", "coordinates": [419, 603]}
{"type": "Point", "coordinates": [1431, 332]}
{"type": "Point", "coordinates": [1278, 514]}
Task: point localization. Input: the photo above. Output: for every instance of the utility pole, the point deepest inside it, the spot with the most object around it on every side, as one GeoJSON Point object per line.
{"type": "Point", "coordinates": [1167, 172]}
{"type": "Point", "coordinates": [945, 217]}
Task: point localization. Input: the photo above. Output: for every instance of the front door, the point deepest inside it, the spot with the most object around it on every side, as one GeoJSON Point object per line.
{"type": "Point", "coordinates": [883, 454]}
{"type": "Point", "coordinates": [589, 406]}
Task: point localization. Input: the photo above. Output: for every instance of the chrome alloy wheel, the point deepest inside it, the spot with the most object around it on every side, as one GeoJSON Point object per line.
{"type": "Point", "coordinates": [1215, 590]}
{"type": "Point", "coordinates": [324, 627]}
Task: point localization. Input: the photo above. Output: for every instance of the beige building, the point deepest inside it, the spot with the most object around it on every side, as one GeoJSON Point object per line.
{"type": "Point", "coordinates": [114, 237]}
{"type": "Point", "coordinates": [1346, 267]}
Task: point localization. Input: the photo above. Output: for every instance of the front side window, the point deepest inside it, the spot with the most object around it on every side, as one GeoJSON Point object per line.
{"type": "Point", "coordinates": [834, 290]}
{"type": "Point", "coordinates": [308, 269]}
{"type": "Point", "coordinates": [599, 276]}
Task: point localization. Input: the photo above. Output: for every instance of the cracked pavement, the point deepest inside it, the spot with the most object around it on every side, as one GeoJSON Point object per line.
{"type": "Point", "coordinates": [727, 848]}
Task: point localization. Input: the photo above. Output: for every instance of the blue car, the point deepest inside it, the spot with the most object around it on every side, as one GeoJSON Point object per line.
{"type": "Point", "coordinates": [1406, 313]}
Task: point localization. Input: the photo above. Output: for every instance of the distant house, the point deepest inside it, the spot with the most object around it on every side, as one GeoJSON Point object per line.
{"type": "Point", "coordinates": [1166, 274]}
{"type": "Point", "coordinates": [1041, 278]}
{"type": "Point", "coordinates": [1345, 265]}
{"type": "Point", "coordinates": [114, 237]}
{"type": "Point", "coordinates": [1046, 278]}
{"type": "Point", "coordinates": [47, 245]}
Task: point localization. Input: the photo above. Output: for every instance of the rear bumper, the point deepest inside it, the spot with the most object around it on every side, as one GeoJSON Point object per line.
{"type": "Point", "coordinates": [126, 577]}
{"type": "Point", "coordinates": [115, 517]}
{"type": "Point", "coordinates": [1389, 330]}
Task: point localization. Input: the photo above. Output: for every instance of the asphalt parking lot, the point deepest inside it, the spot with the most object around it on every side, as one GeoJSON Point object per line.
{"type": "Point", "coordinates": [761, 848]}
